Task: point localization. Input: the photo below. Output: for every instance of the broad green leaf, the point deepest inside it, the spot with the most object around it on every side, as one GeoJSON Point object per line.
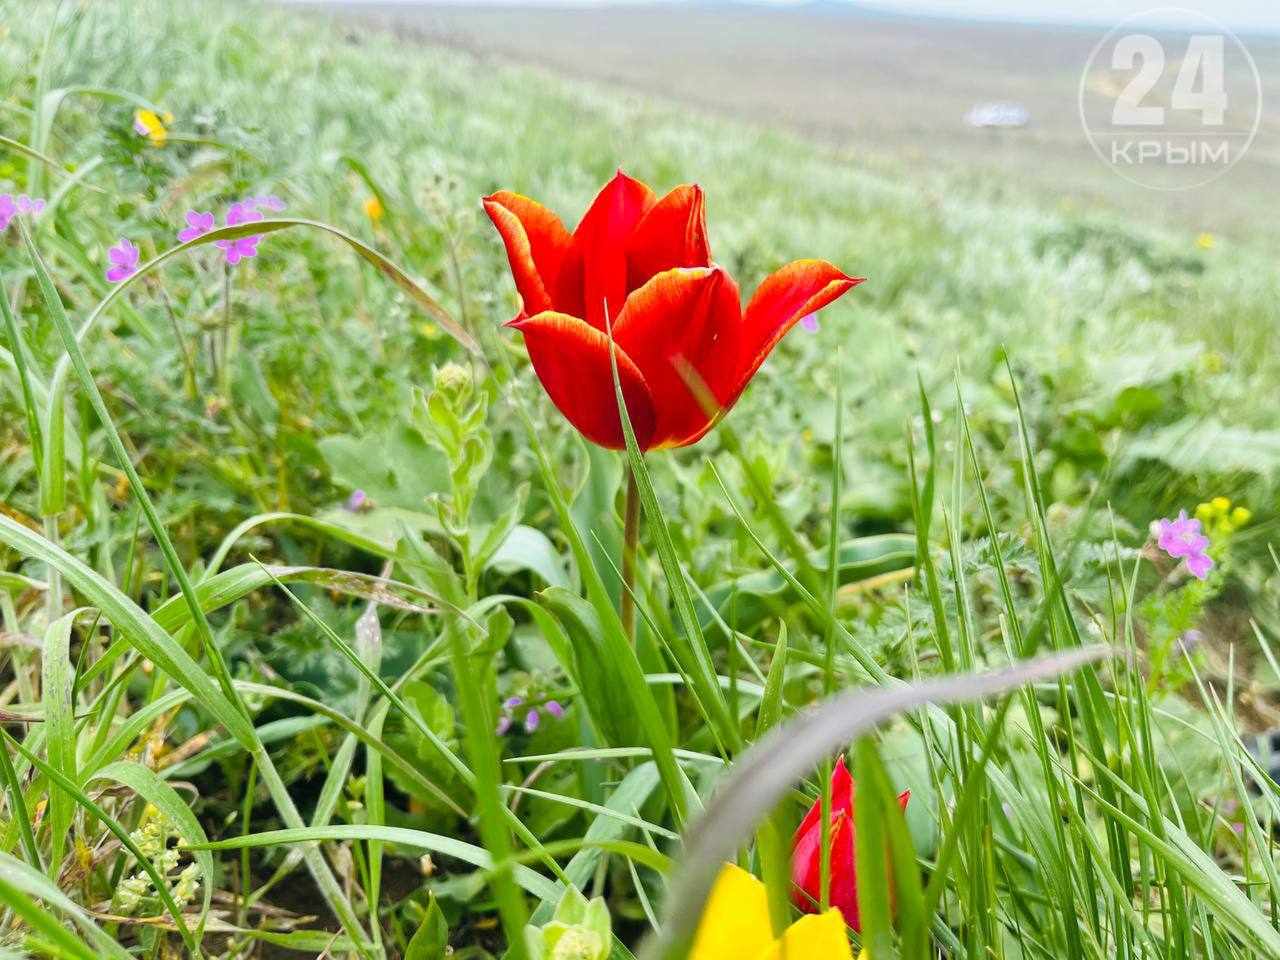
{"type": "Point", "coordinates": [431, 940]}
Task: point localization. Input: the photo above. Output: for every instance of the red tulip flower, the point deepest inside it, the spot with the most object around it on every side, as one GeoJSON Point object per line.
{"type": "Point", "coordinates": [685, 347]}
{"type": "Point", "coordinates": [807, 846]}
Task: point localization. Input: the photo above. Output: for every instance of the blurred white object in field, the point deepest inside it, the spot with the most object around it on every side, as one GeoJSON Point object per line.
{"type": "Point", "coordinates": [1001, 113]}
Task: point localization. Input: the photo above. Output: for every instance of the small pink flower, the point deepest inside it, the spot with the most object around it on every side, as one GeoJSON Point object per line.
{"type": "Point", "coordinates": [236, 250]}
{"type": "Point", "coordinates": [242, 213]}
{"type": "Point", "coordinates": [555, 709]}
{"type": "Point", "coordinates": [531, 721]}
{"type": "Point", "coordinates": [271, 202]}
{"type": "Point", "coordinates": [124, 259]}
{"type": "Point", "coordinates": [239, 248]}
{"type": "Point", "coordinates": [1200, 564]}
{"type": "Point", "coordinates": [198, 225]}
{"type": "Point", "coordinates": [10, 207]}
{"type": "Point", "coordinates": [1181, 537]}
{"type": "Point", "coordinates": [810, 323]}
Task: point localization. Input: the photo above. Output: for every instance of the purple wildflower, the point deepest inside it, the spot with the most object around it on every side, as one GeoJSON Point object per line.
{"type": "Point", "coordinates": [1200, 564]}
{"type": "Point", "coordinates": [270, 202]}
{"type": "Point", "coordinates": [140, 128]}
{"type": "Point", "coordinates": [239, 248]}
{"type": "Point", "coordinates": [356, 501]}
{"type": "Point", "coordinates": [512, 706]}
{"type": "Point", "coordinates": [810, 322]}
{"type": "Point", "coordinates": [236, 250]}
{"type": "Point", "coordinates": [242, 213]}
{"type": "Point", "coordinates": [124, 259]}
{"type": "Point", "coordinates": [198, 225]}
{"type": "Point", "coordinates": [10, 207]}
{"type": "Point", "coordinates": [1181, 537]}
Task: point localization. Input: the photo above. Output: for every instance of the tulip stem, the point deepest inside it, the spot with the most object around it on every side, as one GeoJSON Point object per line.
{"type": "Point", "coordinates": [630, 534]}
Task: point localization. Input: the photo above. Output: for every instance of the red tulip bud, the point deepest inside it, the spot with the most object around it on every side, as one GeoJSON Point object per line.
{"type": "Point", "coordinates": [806, 868]}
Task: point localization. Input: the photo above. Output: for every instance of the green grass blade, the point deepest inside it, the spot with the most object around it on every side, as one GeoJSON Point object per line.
{"type": "Point", "coordinates": [22, 878]}
{"type": "Point", "coordinates": [533, 882]}
{"type": "Point", "coordinates": [57, 682]}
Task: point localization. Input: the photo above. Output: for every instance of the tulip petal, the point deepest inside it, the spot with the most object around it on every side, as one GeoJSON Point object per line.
{"type": "Point", "coordinates": [571, 358]}
{"type": "Point", "coordinates": [735, 922]}
{"type": "Point", "coordinates": [594, 273]}
{"type": "Point", "coordinates": [681, 329]}
{"type": "Point", "coordinates": [672, 234]}
{"type": "Point", "coordinates": [786, 297]}
{"type": "Point", "coordinates": [820, 937]}
{"type": "Point", "coordinates": [536, 243]}
{"type": "Point", "coordinates": [806, 856]}
{"type": "Point", "coordinates": [844, 870]}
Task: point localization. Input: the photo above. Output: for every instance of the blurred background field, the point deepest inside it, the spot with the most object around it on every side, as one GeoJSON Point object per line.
{"type": "Point", "coordinates": [1138, 328]}
{"type": "Point", "coordinates": [884, 90]}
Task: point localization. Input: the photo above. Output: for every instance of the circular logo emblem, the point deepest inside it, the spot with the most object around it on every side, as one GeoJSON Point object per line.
{"type": "Point", "coordinates": [1170, 110]}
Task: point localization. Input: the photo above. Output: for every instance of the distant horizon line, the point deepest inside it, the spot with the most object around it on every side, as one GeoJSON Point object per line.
{"type": "Point", "coordinates": [852, 8]}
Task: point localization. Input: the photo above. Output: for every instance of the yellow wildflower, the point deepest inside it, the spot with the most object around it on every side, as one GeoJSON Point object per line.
{"type": "Point", "coordinates": [735, 926]}
{"type": "Point", "coordinates": [1240, 516]}
{"type": "Point", "coordinates": [1204, 513]}
{"type": "Point", "coordinates": [1205, 240]}
{"type": "Point", "coordinates": [1220, 505]}
{"type": "Point", "coordinates": [373, 208]}
{"type": "Point", "coordinates": [149, 124]}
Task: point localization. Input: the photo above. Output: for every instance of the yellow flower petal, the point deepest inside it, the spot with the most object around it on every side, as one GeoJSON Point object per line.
{"type": "Point", "coordinates": [735, 923]}
{"type": "Point", "coordinates": [812, 938]}
{"type": "Point", "coordinates": [1221, 504]}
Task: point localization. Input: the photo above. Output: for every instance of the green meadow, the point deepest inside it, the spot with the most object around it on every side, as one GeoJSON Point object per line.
{"type": "Point", "coordinates": [309, 632]}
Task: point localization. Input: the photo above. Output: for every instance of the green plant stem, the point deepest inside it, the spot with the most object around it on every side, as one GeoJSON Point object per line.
{"type": "Point", "coordinates": [630, 536]}
{"type": "Point", "coordinates": [223, 335]}
{"type": "Point", "coordinates": [53, 594]}
{"type": "Point", "coordinates": [184, 351]}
